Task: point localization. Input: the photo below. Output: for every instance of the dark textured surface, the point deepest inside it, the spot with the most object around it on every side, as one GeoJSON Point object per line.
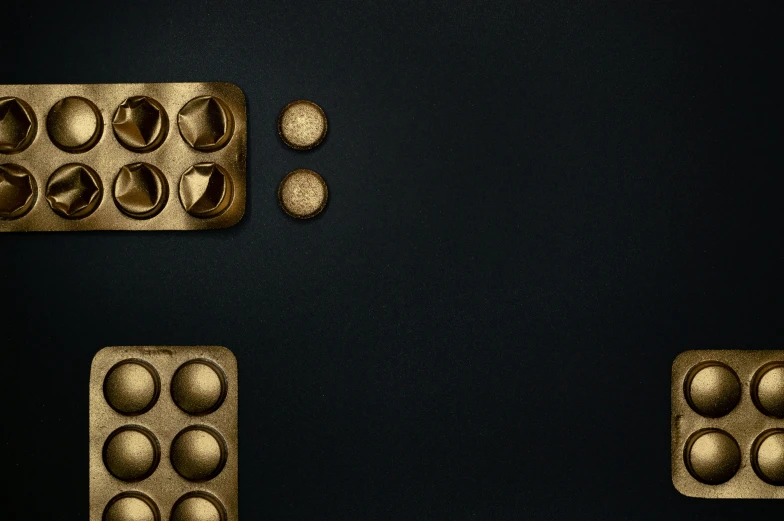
{"type": "Point", "coordinates": [533, 209]}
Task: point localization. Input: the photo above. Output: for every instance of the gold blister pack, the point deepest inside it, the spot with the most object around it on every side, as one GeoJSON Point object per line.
{"type": "Point", "coordinates": [126, 156]}
{"type": "Point", "coordinates": [163, 434]}
{"type": "Point", "coordinates": [728, 424]}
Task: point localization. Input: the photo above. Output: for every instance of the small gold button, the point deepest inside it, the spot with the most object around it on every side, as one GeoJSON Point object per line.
{"type": "Point", "coordinates": [198, 506]}
{"type": "Point", "coordinates": [198, 387]}
{"type": "Point", "coordinates": [302, 125]}
{"type": "Point", "coordinates": [131, 453]}
{"type": "Point", "coordinates": [712, 456]}
{"type": "Point", "coordinates": [140, 124]}
{"type": "Point", "coordinates": [74, 124]}
{"type": "Point", "coordinates": [767, 389]}
{"type": "Point", "coordinates": [767, 456]}
{"type": "Point", "coordinates": [712, 389]}
{"type": "Point", "coordinates": [303, 194]}
{"type": "Point", "coordinates": [131, 506]}
{"type": "Point", "coordinates": [132, 387]}
{"type": "Point", "coordinates": [140, 190]}
{"type": "Point", "coordinates": [198, 453]}
{"type": "Point", "coordinates": [206, 190]}
{"type": "Point", "coordinates": [17, 125]}
{"type": "Point", "coordinates": [18, 191]}
{"type": "Point", "coordinates": [206, 123]}
{"type": "Point", "coordinates": [74, 191]}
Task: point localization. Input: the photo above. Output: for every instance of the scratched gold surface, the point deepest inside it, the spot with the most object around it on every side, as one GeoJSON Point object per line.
{"type": "Point", "coordinates": [32, 147]}
{"type": "Point", "coordinates": [194, 457]}
{"type": "Point", "coordinates": [726, 384]}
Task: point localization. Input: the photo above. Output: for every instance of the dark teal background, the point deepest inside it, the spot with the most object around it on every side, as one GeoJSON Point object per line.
{"type": "Point", "coordinates": [534, 207]}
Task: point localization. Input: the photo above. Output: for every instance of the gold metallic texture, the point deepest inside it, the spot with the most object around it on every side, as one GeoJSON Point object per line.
{"type": "Point", "coordinates": [198, 387]}
{"type": "Point", "coordinates": [712, 389]}
{"type": "Point", "coordinates": [132, 142]}
{"type": "Point", "coordinates": [18, 191]}
{"type": "Point", "coordinates": [767, 456]}
{"type": "Point", "coordinates": [74, 191]}
{"type": "Point", "coordinates": [131, 506]}
{"type": "Point", "coordinates": [163, 434]}
{"type": "Point", "coordinates": [131, 453]}
{"type": "Point", "coordinates": [767, 389]}
{"type": "Point", "coordinates": [727, 440]}
{"type": "Point", "coordinates": [198, 506]}
{"type": "Point", "coordinates": [206, 190]}
{"type": "Point", "coordinates": [140, 190]}
{"type": "Point", "coordinates": [206, 123]}
{"type": "Point", "coordinates": [74, 124]}
{"type": "Point", "coordinates": [18, 124]}
{"type": "Point", "coordinates": [140, 123]}
{"type": "Point", "coordinates": [712, 456]}
{"type": "Point", "coordinates": [198, 453]}
{"type": "Point", "coordinates": [132, 387]}
{"type": "Point", "coordinates": [302, 125]}
{"type": "Point", "coordinates": [303, 194]}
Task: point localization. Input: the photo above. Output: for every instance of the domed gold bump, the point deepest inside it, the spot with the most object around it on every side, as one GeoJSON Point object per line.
{"type": "Point", "coordinates": [767, 389]}
{"type": "Point", "coordinates": [17, 125]}
{"type": "Point", "coordinates": [198, 453]}
{"type": "Point", "coordinates": [131, 506]}
{"type": "Point", "coordinates": [303, 194]}
{"type": "Point", "coordinates": [132, 387]}
{"type": "Point", "coordinates": [74, 191]}
{"type": "Point", "coordinates": [18, 191]}
{"type": "Point", "coordinates": [198, 506]}
{"type": "Point", "coordinates": [206, 123]}
{"type": "Point", "coordinates": [712, 456]}
{"type": "Point", "coordinates": [131, 453]}
{"type": "Point", "coordinates": [198, 387]}
{"type": "Point", "coordinates": [302, 125]}
{"type": "Point", "coordinates": [140, 190]}
{"type": "Point", "coordinates": [140, 124]}
{"type": "Point", "coordinates": [74, 124]}
{"type": "Point", "coordinates": [767, 456]}
{"type": "Point", "coordinates": [206, 190]}
{"type": "Point", "coordinates": [712, 389]}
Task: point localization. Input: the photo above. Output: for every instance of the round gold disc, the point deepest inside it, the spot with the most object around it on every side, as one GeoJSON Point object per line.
{"type": "Point", "coordinates": [712, 389]}
{"type": "Point", "coordinates": [198, 387]}
{"type": "Point", "coordinates": [198, 506]}
{"type": "Point", "coordinates": [767, 389]}
{"type": "Point", "coordinates": [140, 190]}
{"type": "Point", "coordinates": [131, 387]}
{"type": "Point", "coordinates": [18, 191]}
{"type": "Point", "coordinates": [712, 456]}
{"type": "Point", "coordinates": [140, 124]}
{"type": "Point", "coordinates": [74, 191]}
{"type": "Point", "coordinates": [131, 506]}
{"type": "Point", "coordinates": [767, 456]}
{"type": "Point", "coordinates": [18, 125]}
{"type": "Point", "coordinates": [198, 453]}
{"type": "Point", "coordinates": [206, 123]}
{"type": "Point", "coordinates": [131, 453]}
{"type": "Point", "coordinates": [303, 194]}
{"type": "Point", "coordinates": [302, 125]}
{"type": "Point", "coordinates": [74, 124]}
